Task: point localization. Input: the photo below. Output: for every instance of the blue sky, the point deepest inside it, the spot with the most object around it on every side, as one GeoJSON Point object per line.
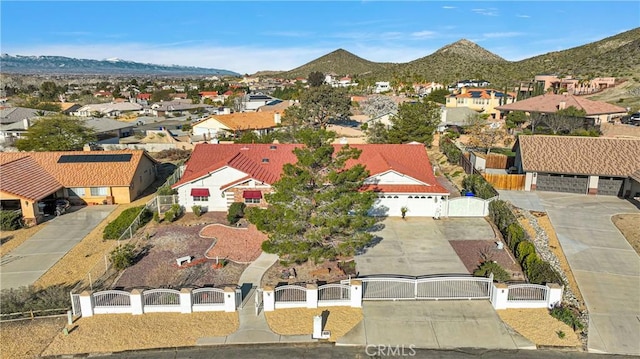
{"type": "Point", "coordinates": [266, 35]}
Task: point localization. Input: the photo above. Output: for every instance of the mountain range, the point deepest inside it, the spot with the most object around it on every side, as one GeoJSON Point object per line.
{"type": "Point", "coordinates": [617, 56]}
{"type": "Point", "coordinates": [59, 65]}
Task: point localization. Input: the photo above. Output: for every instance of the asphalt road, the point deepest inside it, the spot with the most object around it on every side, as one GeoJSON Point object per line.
{"type": "Point", "coordinates": [328, 351]}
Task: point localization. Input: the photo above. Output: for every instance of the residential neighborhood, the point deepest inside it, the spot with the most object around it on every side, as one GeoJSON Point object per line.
{"type": "Point", "coordinates": [457, 204]}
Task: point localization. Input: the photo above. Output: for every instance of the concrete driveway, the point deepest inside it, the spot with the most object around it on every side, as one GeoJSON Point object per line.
{"type": "Point", "coordinates": [420, 246]}
{"type": "Point", "coordinates": [433, 324]}
{"type": "Point", "coordinates": [36, 255]}
{"type": "Point", "coordinates": [605, 266]}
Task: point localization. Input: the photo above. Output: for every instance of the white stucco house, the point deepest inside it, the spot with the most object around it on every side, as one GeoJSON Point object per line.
{"type": "Point", "coordinates": [216, 175]}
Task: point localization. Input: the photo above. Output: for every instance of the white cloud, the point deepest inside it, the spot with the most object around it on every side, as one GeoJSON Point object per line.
{"type": "Point", "coordinates": [523, 16]}
{"type": "Point", "coordinates": [499, 35]}
{"type": "Point", "coordinates": [486, 12]}
{"type": "Point", "coordinates": [449, 7]}
{"type": "Point", "coordinates": [426, 34]}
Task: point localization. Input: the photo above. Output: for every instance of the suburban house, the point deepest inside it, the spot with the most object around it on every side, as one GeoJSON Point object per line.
{"type": "Point", "coordinates": [180, 107]}
{"type": "Point", "coordinates": [454, 117]}
{"type": "Point", "coordinates": [569, 84]}
{"type": "Point", "coordinates": [277, 105]}
{"type": "Point", "coordinates": [483, 101]}
{"type": "Point", "coordinates": [382, 86]}
{"type": "Point", "coordinates": [261, 123]}
{"type": "Point", "coordinates": [16, 114]}
{"type": "Point", "coordinates": [216, 175]}
{"type": "Point", "coordinates": [251, 102]}
{"type": "Point", "coordinates": [598, 111]}
{"type": "Point", "coordinates": [83, 177]}
{"type": "Point", "coordinates": [112, 109]}
{"type": "Point", "coordinates": [589, 165]}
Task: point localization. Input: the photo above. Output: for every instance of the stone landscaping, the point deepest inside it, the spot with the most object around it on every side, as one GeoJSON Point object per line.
{"type": "Point", "coordinates": [473, 252]}
{"type": "Point", "coordinates": [240, 245]}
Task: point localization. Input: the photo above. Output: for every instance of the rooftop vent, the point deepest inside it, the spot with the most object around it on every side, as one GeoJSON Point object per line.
{"type": "Point", "coordinates": [265, 160]}
{"type": "Point", "coordinates": [273, 147]}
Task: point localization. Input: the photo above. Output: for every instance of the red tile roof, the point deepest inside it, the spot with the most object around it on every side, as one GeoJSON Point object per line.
{"type": "Point", "coordinates": [264, 164]}
{"type": "Point", "coordinates": [23, 177]}
{"type": "Point", "coordinates": [208, 93]}
{"type": "Point", "coordinates": [144, 96]}
{"type": "Point", "coordinates": [550, 103]}
{"type": "Point", "coordinates": [484, 93]}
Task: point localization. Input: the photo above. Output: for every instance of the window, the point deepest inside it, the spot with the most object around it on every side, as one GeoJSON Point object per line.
{"type": "Point", "coordinates": [251, 197]}
{"type": "Point", "coordinates": [76, 192]}
{"type": "Point", "coordinates": [99, 191]}
{"type": "Point", "coordinates": [200, 194]}
{"type": "Point", "coordinates": [251, 200]}
{"type": "Point", "coordinates": [200, 198]}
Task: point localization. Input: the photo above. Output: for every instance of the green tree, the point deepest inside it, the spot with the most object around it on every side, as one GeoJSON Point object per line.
{"type": "Point", "coordinates": [161, 95]}
{"type": "Point", "coordinates": [123, 256]}
{"type": "Point", "coordinates": [377, 132]}
{"type": "Point", "coordinates": [317, 210]}
{"type": "Point", "coordinates": [439, 96]}
{"type": "Point", "coordinates": [316, 78]}
{"type": "Point", "coordinates": [56, 133]}
{"type": "Point", "coordinates": [415, 122]}
{"type": "Point", "coordinates": [515, 119]}
{"type": "Point", "coordinates": [324, 103]}
{"type": "Point", "coordinates": [49, 91]}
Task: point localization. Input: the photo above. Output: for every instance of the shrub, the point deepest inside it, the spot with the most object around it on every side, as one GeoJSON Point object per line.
{"type": "Point", "coordinates": [156, 217]}
{"type": "Point", "coordinates": [10, 220]}
{"type": "Point", "coordinates": [197, 210]}
{"type": "Point", "coordinates": [29, 298]}
{"type": "Point", "coordinates": [450, 150]}
{"type": "Point", "coordinates": [122, 256]}
{"type": "Point", "coordinates": [479, 186]}
{"type": "Point", "coordinates": [236, 211]}
{"type": "Point", "coordinates": [116, 228]}
{"type": "Point", "coordinates": [177, 209]}
{"type": "Point", "coordinates": [524, 249]}
{"type": "Point", "coordinates": [567, 315]}
{"type": "Point", "coordinates": [488, 267]}
{"type": "Point", "coordinates": [173, 154]}
{"type": "Point", "coordinates": [540, 272]}
{"type": "Point", "coordinates": [170, 216]}
{"type": "Point", "coordinates": [515, 235]}
{"type": "Point", "coordinates": [166, 191]}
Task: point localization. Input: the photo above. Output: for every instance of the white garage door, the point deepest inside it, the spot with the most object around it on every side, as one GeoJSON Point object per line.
{"type": "Point", "coordinates": [419, 205]}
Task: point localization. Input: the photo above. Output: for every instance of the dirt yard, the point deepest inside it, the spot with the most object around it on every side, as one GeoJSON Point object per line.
{"type": "Point", "coordinates": [10, 240]}
{"type": "Point", "coordinates": [132, 332]}
{"type": "Point", "coordinates": [158, 266]}
{"type": "Point", "coordinates": [28, 338]}
{"type": "Point", "coordinates": [540, 327]}
{"type": "Point", "coordinates": [453, 172]}
{"type": "Point", "coordinates": [471, 253]}
{"type": "Point", "coordinates": [629, 225]}
{"type": "Point", "coordinates": [296, 321]}
{"type": "Point", "coordinates": [308, 272]}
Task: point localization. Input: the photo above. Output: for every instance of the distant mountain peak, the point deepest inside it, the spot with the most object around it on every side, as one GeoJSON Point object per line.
{"type": "Point", "coordinates": [470, 50]}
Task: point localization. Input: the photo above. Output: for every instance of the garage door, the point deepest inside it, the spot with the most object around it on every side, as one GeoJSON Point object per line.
{"type": "Point", "coordinates": [419, 205]}
{"type": "Point", "coordinates": [562, 183]}
{"type": "Point", "coordinates": [610, 186]}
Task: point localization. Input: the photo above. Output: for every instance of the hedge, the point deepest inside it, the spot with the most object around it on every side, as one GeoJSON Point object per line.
{"type": "Point", "coordinates": [450, 150]}
{"type": "Point", "coordinates": [116, 228]}
{"type": "Point", "coordinates": [537, 270]}
{"type": "Point", "coordinates": [479, 186]}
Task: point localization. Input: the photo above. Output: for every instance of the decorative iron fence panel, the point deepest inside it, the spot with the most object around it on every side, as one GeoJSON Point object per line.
{"type": "Point", "coordinates": [206, 296]}
{"type": "Point", "coordinates": [291, 293]}
{"type": "Point", "coordinates": [112, 298]}
{"type": "Point", "coordinates": [75, 304]}
{"type": "Point", "coordinates": [161, 297]}
{"type": "Point", "coordinates": [388, 288]}
{"type": "Point", "coordinates": [453, 288]}
{"type": "Point", "coordinates": [334, 292]}
{"type": "Point", "coordinates": [527, 292]}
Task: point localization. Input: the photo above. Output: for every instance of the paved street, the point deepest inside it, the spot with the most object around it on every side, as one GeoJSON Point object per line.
{"type": "Point", "coordinates": [605, 266]}
{"type": "Point", "coordinates": [36, 255]}
{"type": "Point", "coordinates": [420, 246]}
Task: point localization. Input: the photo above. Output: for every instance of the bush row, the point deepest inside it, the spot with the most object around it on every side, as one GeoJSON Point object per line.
{"type": "Point", "coordinates": [537, 270]}
{"type": "Point", "coordinates": [25, 299]}
{"type": "Point", "coordinates": [116, 228]}
{"type": "Point", "coordinates": [479, 186]}
{"type": "Point", "coordinates": [450, 150]}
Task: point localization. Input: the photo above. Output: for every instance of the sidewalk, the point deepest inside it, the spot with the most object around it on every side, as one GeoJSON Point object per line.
{"type": "Point", "coordinates": [254, 328]}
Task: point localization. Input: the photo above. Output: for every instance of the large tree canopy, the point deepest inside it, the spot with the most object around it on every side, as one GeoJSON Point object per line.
{"type": "Point", "coordinates": [415, 121]}
{"type": "Point", "coordinates": [316, 210]}
{"type": "Point", "coordinates": [56, 133]}
{"type": "Point", "coordinates": [376, 106]}
{"type": "Point", "coordinates": [324, 103]}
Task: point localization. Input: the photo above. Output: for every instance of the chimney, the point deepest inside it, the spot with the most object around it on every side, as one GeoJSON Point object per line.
{"type": "Point", "coordinates": [276, 118]}
{"type": "Point", "coordinates": [25, 123]}
{"type": "Point", "coordinates": [562, 105]}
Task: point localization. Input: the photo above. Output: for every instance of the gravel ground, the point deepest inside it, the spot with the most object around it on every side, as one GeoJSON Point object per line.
{"type": "Point", "coordinates": [10, 240]}
{"type": "Point", "coordinates": [158, 267]}
{"type": "Point", "coordinates": [118, 332]}
{"type": "Point", "coordinates": [241, 245]}
{"type": "Point", "coordinates": [304, 273]}
{"type": "Point", "coordinates": [296, 321]}
{"type": "Point", "coordinates": [629, 225]}
{"type": "Point", "coordinates": [28, 338]}
{"type": "Point", "coordinates": [540, 327]}
{"type": "Point", "coordinates": [470, 253]}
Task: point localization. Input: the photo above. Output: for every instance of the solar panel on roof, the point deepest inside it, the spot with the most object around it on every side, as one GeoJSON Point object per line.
{"type": "Point", "coordinates": [95, 158]}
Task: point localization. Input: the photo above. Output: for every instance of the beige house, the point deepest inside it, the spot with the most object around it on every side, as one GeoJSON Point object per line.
{"type": "Point", "coordinates": [31, 181]}
{"type": "Point", "coordinates": [483, 101]}
{"type": "Point", "coordinates": [221, 125]}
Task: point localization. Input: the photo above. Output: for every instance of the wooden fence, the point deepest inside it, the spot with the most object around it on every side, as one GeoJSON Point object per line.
{"type": "Point", "coordinates": [505, 181]}
{"type": "Point", "coordinates": [498, 161]}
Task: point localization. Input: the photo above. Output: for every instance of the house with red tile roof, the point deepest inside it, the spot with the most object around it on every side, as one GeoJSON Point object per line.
{"type": "Point", "coordinates": [216, 175]}
{"type": "Point", "coordinates": [236, 123]}
{"type": "Point", "coordinates": [577, 164]}
{"type": "Point", "coordinates": [483, 101]}
{"type": "Point", "coordinates": [599, 111]}
{"type": "Point", "coordinates": [29, 179]}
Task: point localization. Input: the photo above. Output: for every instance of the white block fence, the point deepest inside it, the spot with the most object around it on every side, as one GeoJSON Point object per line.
{"type": "Point", "coordinates": [158, 300]}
